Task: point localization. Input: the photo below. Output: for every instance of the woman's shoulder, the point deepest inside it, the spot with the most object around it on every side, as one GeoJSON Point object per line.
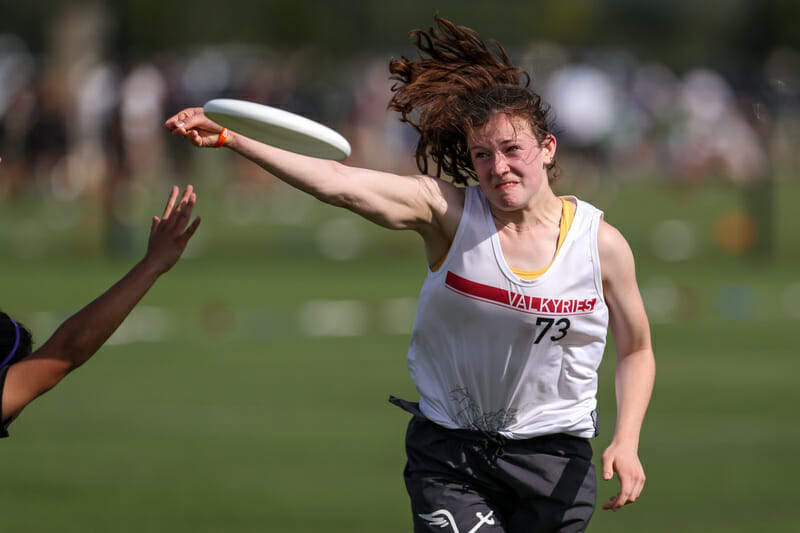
{"type": "Point", "coordinates": [609, 236]}
{"type": "Point", "coordinates": [615, 253]}
{"type": "Point", "coordinates": [443, 196]}
{"type": "Point", "coordinates": [443, 186]}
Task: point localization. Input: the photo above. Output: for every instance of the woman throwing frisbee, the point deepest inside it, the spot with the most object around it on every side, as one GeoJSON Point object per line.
{"type": "Point", "coordinates": [26, 374]}
{"type": "Point", "coordinates": [513, 315]}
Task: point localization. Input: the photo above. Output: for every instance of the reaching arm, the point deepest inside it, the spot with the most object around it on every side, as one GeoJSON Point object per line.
{"type": "Point", "coordinates": [80, 336]}
{"type": "Point", "coordinates": [429, 206]}
{"type": "Point", "coordinates": [635, 372]}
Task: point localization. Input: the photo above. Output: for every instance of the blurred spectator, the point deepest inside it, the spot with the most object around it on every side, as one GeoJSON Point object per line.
{"type": "Point", "coordinates": [45, 141]}
{"type": "Point", "coordinates": [714, 137]}
{"type": "Point", "coordinates": [382, 140]}
{"type": "Point", "coordinates": [618, 116]}
{"type": "Point", "coordinates": [17, 106]}
{"type": "Point", "coordinates": [142, 97]}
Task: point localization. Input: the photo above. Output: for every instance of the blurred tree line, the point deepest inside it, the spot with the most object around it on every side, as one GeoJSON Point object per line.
{"type": "Point", "coordinates": [732, 35]}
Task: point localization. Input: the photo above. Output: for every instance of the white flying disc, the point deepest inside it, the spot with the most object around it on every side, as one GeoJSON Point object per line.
{"type": "Point", "coordinates": [278, 128]}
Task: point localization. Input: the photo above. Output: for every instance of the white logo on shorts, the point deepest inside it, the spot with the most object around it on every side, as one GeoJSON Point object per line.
{"type": "Point", "coordinates": [443, 518]}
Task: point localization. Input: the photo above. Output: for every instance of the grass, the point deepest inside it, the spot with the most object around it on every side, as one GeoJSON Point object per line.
{"type": "Point", "coordinates": [221, 407]}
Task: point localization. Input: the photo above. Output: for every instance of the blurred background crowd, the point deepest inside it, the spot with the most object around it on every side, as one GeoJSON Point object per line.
{"type": "Point", "coordinates": [649, 90]}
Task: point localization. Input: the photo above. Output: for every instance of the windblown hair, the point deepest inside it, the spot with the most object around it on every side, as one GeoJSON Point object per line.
{"type": "Point", "coordinates": [8, 340]}
{"type": "Point", "coordinates": [455, 86]}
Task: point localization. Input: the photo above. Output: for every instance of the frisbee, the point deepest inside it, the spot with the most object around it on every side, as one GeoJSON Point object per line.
{"type": "Point", "coordinates": [278, 127]}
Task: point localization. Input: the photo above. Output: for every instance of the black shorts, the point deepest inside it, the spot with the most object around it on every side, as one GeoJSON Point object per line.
{"type": "Point", "coordinates": [468, 482]}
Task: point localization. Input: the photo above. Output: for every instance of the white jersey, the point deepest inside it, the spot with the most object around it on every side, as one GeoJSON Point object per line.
{"type": "Point", "coordinates": [496, 353]}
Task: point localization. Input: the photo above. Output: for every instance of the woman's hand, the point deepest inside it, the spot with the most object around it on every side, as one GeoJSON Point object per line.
{"type": "Point", "coordinates": [194, 125]}
{"type": "Point", "coordinates": [624, 461]}
{"type": "Point", "coordinates": [169, 234]}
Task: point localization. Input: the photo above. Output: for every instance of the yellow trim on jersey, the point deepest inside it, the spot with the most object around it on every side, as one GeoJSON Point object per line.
{"type": "Point", "coordinates": [567, 216]}
{"type": "Point", "coordinates": [438, 264]}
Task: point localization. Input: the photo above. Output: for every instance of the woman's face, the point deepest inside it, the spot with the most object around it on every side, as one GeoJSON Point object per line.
{"type": "Point", "coordinates": [510, 164]}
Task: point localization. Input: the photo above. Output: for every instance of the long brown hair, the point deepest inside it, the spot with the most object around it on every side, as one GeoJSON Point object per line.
{"type": "Point", "coordinates": [458, 82]}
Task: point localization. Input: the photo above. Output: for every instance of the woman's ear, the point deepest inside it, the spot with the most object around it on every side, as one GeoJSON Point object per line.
{"type": "Point", "coordinates": [549, 149]}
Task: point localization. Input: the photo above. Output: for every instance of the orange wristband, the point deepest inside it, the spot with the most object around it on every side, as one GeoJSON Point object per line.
{"type": "Point", "coordinates": [223, 137]}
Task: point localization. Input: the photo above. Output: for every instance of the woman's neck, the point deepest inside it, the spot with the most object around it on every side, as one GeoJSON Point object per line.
{"type": "Point", "coordinates": [544, 211]}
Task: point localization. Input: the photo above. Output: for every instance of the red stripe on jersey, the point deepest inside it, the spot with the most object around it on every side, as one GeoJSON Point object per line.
{"type": "Point", "coordinates": [516, 301]}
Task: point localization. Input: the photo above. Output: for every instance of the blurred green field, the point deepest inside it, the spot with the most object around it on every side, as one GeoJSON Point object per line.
{"type": "Point", "coordinates": [248, 392]}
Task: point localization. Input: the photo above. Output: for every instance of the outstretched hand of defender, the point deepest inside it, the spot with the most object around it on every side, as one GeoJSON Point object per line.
{"type": "Point", "coordinates": [630, 472]}
{"type": "Point", "coordinates": [194, 125]}
{"type": "Point", "coordinates": [170, 234]}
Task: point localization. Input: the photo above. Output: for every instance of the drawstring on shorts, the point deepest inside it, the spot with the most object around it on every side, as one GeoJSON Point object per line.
{"type": "Point", "coordinates": [493, 445]}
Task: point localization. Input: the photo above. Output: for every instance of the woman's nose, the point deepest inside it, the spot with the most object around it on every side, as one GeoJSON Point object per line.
{"type": "Point", "coordinates": [500, 164]}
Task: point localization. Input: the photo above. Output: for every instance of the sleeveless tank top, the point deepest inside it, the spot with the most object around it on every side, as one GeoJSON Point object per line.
{"type": "Point", "coordinates": [492, 352]}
